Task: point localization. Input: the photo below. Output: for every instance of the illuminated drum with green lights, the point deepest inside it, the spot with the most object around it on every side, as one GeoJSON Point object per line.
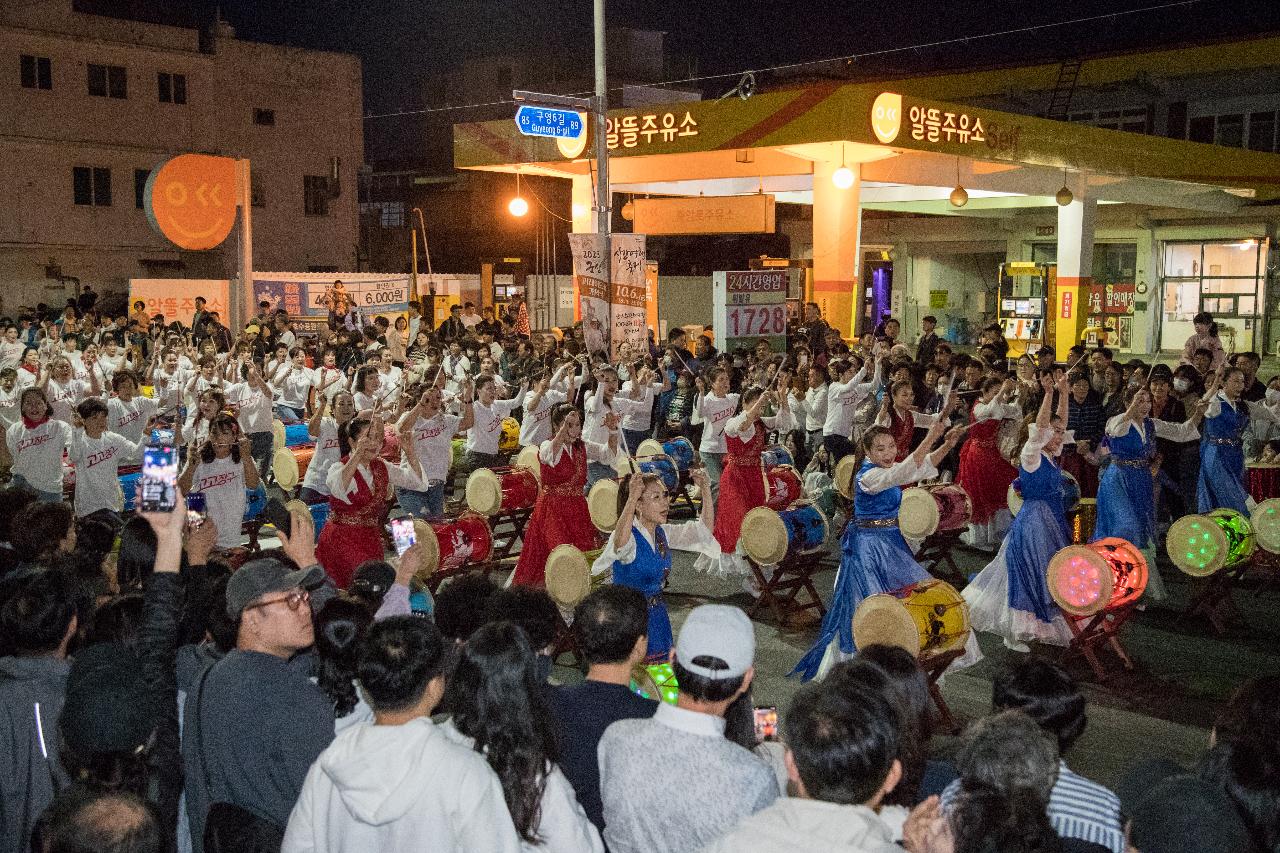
{"type": "Point", "coordinates": [655, 681]}
{"type": "Point", "coordinates": [1200, 545]}
{"type": "Point", "coordinates": [1265, 520]}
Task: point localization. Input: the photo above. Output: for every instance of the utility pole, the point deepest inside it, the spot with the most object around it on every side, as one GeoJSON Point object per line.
{"type": "Point", "coordinates": [604, 198]}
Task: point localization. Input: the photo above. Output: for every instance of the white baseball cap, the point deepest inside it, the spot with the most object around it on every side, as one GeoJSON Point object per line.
{"type": "Point", "coordinates": [719, 631]}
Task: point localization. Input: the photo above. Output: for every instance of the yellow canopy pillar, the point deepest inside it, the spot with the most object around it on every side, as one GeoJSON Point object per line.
{"type": "Point", "coordinates": [1075, 272]}
{"type": "Point", "coordinates": [837, 218]}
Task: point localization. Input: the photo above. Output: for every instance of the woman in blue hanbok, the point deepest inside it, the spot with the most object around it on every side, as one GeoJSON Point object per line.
{"type": "Point", "coordinates": [1010, 597]}
{"type": "Point", "coordinates": [638, 552]}
{"type": "Point", "coordinates": [874, 556]}
{"type": "Point", "coordinates": [1221, 483]}
{"type": "Point", "coordinates": [1126, 491]}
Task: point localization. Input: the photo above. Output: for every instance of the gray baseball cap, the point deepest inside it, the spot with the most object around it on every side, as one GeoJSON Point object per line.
{"type": "Point", "coordinates": [257, 578]}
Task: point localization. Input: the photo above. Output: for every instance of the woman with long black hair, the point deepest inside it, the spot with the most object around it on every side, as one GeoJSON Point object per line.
{"type": "Point", "coordinates": [340, 626]}
{"type": "Point", "coordinates": [500, 711]}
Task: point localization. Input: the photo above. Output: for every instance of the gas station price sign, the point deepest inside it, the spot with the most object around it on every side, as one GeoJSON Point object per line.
{"type": "Point", "coordinates": [748, 306]}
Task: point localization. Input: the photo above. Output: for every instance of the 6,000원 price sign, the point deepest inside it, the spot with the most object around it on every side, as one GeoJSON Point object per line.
{"type": "Point", "coordinates": [748, 306]}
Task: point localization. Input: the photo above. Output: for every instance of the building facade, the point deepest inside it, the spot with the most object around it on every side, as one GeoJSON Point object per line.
{"type": "Point", "coordinates": [90, 105]}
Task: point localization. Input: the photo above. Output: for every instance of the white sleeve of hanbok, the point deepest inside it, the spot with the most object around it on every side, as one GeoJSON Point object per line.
{"type": "Point", "coordinates": [900, 474]}
{"type": "Point", "coordinates": [402, 476]}
{"type": "Point", "coordinates": [783, 421]}
{"type": "Point", "coordinates": [740, 426]}
{"type": "Point", "coordinates": [598, 452]}
{"type": "Point", "coordinates": [691, 536]}
{"type": "Point", "coordinates": [334, 481]}
{"type": "Point", "coordinates": [1030, 456]}
{"type": "Point", "coordinates": [1118, 426]}
{"type": "Point", "coordinates": [1215, 406]}
{"type": "Point", "coordinates": [1176, 431]}
{"type": "Point", "coordinates": [995, 411]}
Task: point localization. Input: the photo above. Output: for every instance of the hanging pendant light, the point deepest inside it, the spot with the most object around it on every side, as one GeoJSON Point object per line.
{"type": "Point", "coordinates": [959, 196]}
{"type": "Point", "coordinates": [1064, 196]}
{"type": "Point", "coordinates": [842, 177]}
{"type": "Point", "coordinates": [518, 206]}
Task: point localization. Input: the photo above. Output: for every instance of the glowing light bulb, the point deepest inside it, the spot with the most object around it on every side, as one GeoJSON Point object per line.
{"type": "Point", "coordinates": [518, 206]}
{"type": "Point", "coordinates": [842, 178]}
{"type": "Point", "coordinates": [959, 196]}
{"type": "Point", "coordinates": [579, 210]}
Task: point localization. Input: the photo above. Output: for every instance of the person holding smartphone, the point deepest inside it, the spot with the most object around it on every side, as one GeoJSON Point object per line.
{"type": "Point", "coordinates": [222, 468]}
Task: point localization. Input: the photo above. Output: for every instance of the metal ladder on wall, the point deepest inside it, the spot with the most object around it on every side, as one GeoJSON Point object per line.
{"type": "Point", "coordinates": [1064, 90]}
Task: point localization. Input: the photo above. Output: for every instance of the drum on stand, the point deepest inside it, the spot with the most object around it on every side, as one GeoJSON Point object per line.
{"type": "Point", "coordinates": [1083, 521]}
{"type": "Point", "coordinates": [449, 544]}
{"type": "Point", "coordinates": [319, 512]}
{"type": "Point", "coordinates": [528, 458]}
{"type": "Point", "coordinates": [775, 455]}
{"type": "Point", "coordinates": [656, 681]}
{"type": "Point", "coordinates": [664, 466]}
{"type": "Point", "coordinates": [509, 439]}
{"type": "Point", "coordinates": [491, 491]}
{"type": "Point", "coordinates": [1103, 575]}
{"type": "Point", "coordinates": [568, 576]}
{"type": "Point", "coordinates": [1263, 481]}
{"type": "Point", "coordinates": [846, 469]}
{"type": "Point", "coordinates": [926, 510]}
{"type": "Point", "coordinates": [1265, 520]}
{"type": "Point", "coordinates": [1202, 544]}
{"type": "Point", "coordinates": [925, 618]}
{"type": "Point", "coordinates": [602, 505]}
{"type": "Point", "coordinates": [678, 448]}
{"type": "Point", "coordinates": [1070, 494]}
{"type": "Point", "coordinates": [769, 536]}
{"type": "Point", "coordinates": [782, 487]}
{"type": "Point", "coordinates": [289, 465]}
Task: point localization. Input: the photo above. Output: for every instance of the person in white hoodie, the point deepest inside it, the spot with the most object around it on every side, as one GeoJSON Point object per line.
{"type": "Point", "coordinates": [400, 783]}
{"type": "Point", "coordinates": [842, 759]}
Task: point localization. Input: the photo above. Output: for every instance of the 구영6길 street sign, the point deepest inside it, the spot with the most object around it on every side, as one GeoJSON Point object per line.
{"type": "Point", "coordinates": [550, 122]}
{"type": "Point", "coordinates": [191, 200]}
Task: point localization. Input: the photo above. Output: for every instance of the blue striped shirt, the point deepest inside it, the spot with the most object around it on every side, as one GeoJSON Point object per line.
{"type": "Point", "coordinates": [1078, 808]}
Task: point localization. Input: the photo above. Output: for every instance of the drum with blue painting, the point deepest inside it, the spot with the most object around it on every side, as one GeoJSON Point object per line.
{"type": "Point", "coordinates": [678, 448]}
{"type": "Point", "coordinates": [254, 501]}
{"type": "Point", "coordinates": [319, 515]}
{"type": "Point", "coordinates": [774, 455]}
{"type": "Point", "coordinates": [295, 434]}
{"type": "Point", "coordinates": [665, 467]}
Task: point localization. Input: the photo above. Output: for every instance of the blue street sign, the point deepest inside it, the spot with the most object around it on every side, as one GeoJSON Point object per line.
{"type": "Point", "coordinates": [550, 122]}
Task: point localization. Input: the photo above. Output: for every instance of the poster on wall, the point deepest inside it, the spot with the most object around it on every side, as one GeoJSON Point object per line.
{"type": "Point", "coordinates": [308, 296]}
{"type": "Point", "coordinates": [611, 296]}
{"type": "Point", "coordinates": [748, 306]}
{"type": "Point", "coordinates": [175, 298]}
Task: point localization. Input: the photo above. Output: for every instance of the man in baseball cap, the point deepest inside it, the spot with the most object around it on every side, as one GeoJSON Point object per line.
{"type": "Point", "coordinates": [707, 783]}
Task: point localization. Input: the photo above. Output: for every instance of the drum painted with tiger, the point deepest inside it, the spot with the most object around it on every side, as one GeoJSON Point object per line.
{"type": "Point", "coordinates": [289, 464]}
{"type": "Point", "coordinates": [448, 544]}
{"type": "Point", "coordinates": [662, 465]}
{"type": "Point", "coordinates": [775, 455]}
{"type": "Point", "coordinates": [678, 448]}
{"type": "Point", "coordinates": [926, 510]}
{"type": "Point", "coordinates": [391, 445]}
{"type": "Point", "coordinates": [1070, 494]}
{"type": "Point", "coordinates": [926, 618]}
{"type": "Point", "coordinates": [509, 440]}
{"type": "Point", "coordinates": [1103, 575]}
{"type": "Point", "coordinates": [782, 487]}
{"type": "Point", "coordinates": [1265, 520]}
{"type": "Point", "coordinates": [1083, 521]}
{"type": "Point", "coordinates": [569, 578]}
{"type": "Point", "coordinates": [1202, 544]}
{"type": "Point", "coordinates": [1263, 481]}
{"type": "Point", "coordinates": [497, 490]}
{"type": "Point", "coordinates": [769, 536]}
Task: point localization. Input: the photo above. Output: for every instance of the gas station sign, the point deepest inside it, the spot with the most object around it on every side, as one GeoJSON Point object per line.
{"type": "Point", "coordinates": [748, 306]}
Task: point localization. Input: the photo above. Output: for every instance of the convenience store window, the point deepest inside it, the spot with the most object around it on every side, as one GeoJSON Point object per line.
{"type": "Point", "coordinates": [1222, 277]}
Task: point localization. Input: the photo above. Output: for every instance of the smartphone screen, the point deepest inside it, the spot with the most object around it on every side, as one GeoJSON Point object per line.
{"type": "Point", "coordinates": [196, 511]}
{"type": "Point", "coordinates": [159, 478]}
{"type": "Point", "coordinates": [402, 534]}
{"type": "Point", "coordinates": [766, 723]}
{"type": "Point", "coordinates": [161, 437]}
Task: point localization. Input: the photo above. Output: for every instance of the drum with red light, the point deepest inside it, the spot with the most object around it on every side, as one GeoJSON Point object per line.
{"type": "Point", "coordinates": [1104, 575]}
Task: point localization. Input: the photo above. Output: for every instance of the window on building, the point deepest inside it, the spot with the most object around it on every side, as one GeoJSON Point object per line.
{"type": "Point", "coordinates": [140, 177]}
{"type": "Point", "coordinates": [37, 72]}
{"type": "Point", "coordinates": [315, 195]}
{"type": "Point", "coordinates": [173, 88]}
{"type": "Point", "coordinates": [91, 186]}
{"type": "Point", "coordinates": [1230, 130]}
{"type": "Point", "coordinates": [1200, 129]}
{"type": "Point", "coordinates": [266, 118]}
{"type": "Point", "coordinates": [108, 81]}
{"type": "Point", "coordinates": [1132, 120]}
{"type": "Point", "coordinates": [257, 194]}
{"type": "Point", "coordinates": [1222, 277]}
{"type": "Point", "coordinates": [1262, 131]}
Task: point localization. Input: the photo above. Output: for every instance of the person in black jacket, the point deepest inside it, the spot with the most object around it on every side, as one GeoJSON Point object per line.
{"type": "Point", "coordinates": [452, 329]}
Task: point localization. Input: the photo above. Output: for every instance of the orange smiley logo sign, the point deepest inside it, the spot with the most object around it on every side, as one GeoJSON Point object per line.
{"type": "Point", "coordinates": [191, 200]}
{"type": "Point", "coordinates": [886, 116]}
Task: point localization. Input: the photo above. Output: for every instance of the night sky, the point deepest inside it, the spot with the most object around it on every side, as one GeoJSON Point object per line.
{"type": "Point", "coordinates": [406, 44]}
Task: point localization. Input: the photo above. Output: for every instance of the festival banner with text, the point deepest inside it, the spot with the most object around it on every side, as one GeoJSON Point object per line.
{"type": "Point", "coordinates": [616, 291]}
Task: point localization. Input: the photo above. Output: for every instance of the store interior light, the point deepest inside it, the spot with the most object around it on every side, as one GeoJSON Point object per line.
{"type": "Point", "coordinates": [518, 206]}
{"type": "Point", "coordinates": [842, 177]}
{"type": "Point", "coordinates": [579, 210]}
{"type": "Point", "coordinates": [1248, 244]}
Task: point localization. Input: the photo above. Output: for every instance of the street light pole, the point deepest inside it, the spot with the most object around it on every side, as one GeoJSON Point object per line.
{"type": "Point", "coordinates": [604, 198]}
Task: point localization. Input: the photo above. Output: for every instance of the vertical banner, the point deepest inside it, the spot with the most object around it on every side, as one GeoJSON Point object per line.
{"type": "Point", "coordinates": [618, 289]}
{"type": "Point", "coordinates": [651, 295]}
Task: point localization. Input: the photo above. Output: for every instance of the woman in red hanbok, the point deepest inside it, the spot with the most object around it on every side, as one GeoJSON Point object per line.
{"type": "Point", "coordinates": [742, 486]}
{"type": "Point", "coordinates": [984, 474]}
{"type": "Point", "coordinates": [899, 415]}
{"type": "Point", "coordinates": [560, 515]}
{"type": "Point", "coordinates": [358, 496]}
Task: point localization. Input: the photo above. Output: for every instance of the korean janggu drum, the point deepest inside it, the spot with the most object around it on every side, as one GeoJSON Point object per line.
{"type": "Point", "coordinates": [319, 512]}
{"type": "Point", "coordinates": [1265, 520]}
{"type": "Point", "coordinates": [528, 458]}
{"type": "Point", "coordinates": [1263, 481]}
{"type": "Point", "coordinates": [448, 544]}
{"type": "Point", "coordinates": [1103, 575]}
{"type": "Point", "coordinates": [496, 490]}
{"type": "Point", "coordinates": [1083, 521]}
{"type": "Point", "coordinates": [782, 487]}
{"type": "Point", "coordinates": [678, 448]}
{"type": "Point", "coordinates": [509, 440]}
{"type": "Point", "coordinates": [1070, 494]}
{"type": "Point", "coordinates": [1202, 544]}
{"type": "Point", "coordinates": [769, 536]}
{"type": "Point", "coordinates": [289, 464]}
{"type": "Point", "coordinates": [926, 510]}
{"type": "Point", "coordinates": [925, 618]}
{"type": "Point", "coordinates": [774, 455]}
{"type": "Point", "coordinates": [662, 465]}
{"type": "Point", "coordinates": [655, 681]}
{"type": "Point", "coordinates": [569, 578]}
{"type": "Point", "coordinates": [845, 471]}
{"type": "Point", "coordinates": [602, 504]}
